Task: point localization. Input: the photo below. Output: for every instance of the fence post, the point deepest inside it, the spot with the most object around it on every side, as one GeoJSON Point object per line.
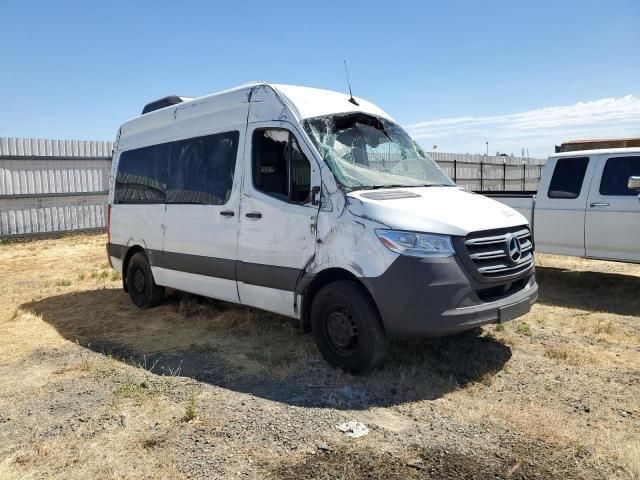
{"type": "Point", "coordinates": [481, 176]}
{"type": "Point", "coordinates": [504, 175]}
{"type": "Point", "coordinates": [455, 170]}
{"type": "Point", "coordinates": [524, 175]}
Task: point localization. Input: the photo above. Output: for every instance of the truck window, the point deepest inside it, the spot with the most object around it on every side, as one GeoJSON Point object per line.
{"type": "Point", "coordinates": [142, 175]}
{"type": "Point", "coordinates": [201, 169]}
{"type": "Point", "coordinates": [568, 177]}
{"type": "Point", "coordinates": [615, 176]}
{"type": "Point", "coordinates": [279, 167]}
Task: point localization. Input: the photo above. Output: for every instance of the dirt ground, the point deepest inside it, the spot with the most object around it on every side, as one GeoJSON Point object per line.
{"type": "Point", "coordinates": [91, 387]}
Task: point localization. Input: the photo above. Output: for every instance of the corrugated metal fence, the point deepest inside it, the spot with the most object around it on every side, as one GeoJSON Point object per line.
{"type": "Point", "coordinates": [491, 173]}
{"type": "Point", "coordinates": [52, 185]}
{"type": "Point", "coordinates": [49, 186]}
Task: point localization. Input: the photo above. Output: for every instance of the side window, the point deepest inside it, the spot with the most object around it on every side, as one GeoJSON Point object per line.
{"type": "Point", "coordinates": [201, 169]}
{"type": "Point", "coordinates": [279, 167]}
{"type": "Point", "coordinates": [142, 175]}
{"type": "Point", "coordinates": [615, 176]}
{"type": "Point", "coordinates": [568, 177]}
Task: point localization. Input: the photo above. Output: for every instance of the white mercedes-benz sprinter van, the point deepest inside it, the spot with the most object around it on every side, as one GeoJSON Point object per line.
{"type": "Point", "coordinates": [314, 205]}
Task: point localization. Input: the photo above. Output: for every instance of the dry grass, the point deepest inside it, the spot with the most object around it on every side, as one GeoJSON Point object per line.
{"type": "Point", "coordinates": [571, 354]}
{"type": "Point", "coordinates": [93, 387]}
{"type": "Point", "coordinates": [123, 459]}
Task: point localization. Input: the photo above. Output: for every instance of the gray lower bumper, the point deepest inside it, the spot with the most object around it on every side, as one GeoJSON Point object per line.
{"type": "Point", "coordinates": [509, 308]}
{"type": "Point", "coordinates": [428, 298]}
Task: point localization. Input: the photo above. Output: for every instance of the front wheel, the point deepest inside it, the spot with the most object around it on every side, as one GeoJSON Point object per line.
{"type": "Point", "coordinates": [347, 328]}
{"type": "Point", "coordinates": [142, 288]}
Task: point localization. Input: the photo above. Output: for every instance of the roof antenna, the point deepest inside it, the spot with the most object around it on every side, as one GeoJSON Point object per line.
{"type": "Point", "coordinates": [351, 99]}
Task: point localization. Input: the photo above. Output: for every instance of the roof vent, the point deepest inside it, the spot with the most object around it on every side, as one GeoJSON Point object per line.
{"type": "Point", "coordinates": [163, 102]}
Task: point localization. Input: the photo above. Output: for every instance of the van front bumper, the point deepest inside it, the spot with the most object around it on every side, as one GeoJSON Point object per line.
{"type": "Point", "coordinates": [436, 297]}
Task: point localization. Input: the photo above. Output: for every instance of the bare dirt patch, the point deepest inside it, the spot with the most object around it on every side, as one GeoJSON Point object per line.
{"type": "Point", "coordinates": [92, 387]}
{"type": "Point", "coordinates": [436, 463]}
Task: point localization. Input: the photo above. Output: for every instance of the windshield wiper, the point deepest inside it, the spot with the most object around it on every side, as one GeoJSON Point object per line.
{"type": "Point", "coordinates": [429, 185]}
{"type": "Point", "coordinates": [398, 185]}
{"type": "Point", "coordinates": [375, 187]}
{"type": "Point", "coordinates": [410, 186]}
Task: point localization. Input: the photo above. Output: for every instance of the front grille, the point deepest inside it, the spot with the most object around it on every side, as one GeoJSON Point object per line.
{"type": "Point", "coordinates": [490, 251]}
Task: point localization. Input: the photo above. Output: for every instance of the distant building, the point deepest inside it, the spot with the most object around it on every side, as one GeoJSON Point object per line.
{"type": "Point", "coordinates": [574, 145]}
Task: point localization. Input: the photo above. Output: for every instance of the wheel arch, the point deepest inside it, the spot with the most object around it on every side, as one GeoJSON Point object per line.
{"type": "Point", "coordinates": [321, 279]}
{"type": "Point", "coordinates": [131, 251]}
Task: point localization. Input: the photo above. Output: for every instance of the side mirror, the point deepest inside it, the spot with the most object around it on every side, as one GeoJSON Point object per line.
{"type": "Point", "coordinates": [315, 191]}
{"type": "Point", "coordinates": [634, 183]}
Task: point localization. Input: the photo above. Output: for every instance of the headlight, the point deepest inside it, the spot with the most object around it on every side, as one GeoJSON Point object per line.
{"type": "Point", "coordinates": [417, 244]}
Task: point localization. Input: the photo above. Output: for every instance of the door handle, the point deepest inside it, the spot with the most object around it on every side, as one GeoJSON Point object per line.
{"type": "Point", "coordinates": [253, 215]}
{"type": "Point", "coordinates": [597, 204]}
{"type": "Point", "coordinates": [227, 213]}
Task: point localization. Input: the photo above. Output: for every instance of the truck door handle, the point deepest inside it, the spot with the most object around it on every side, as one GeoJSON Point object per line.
{"type": "Point", "coordinates": [227, 213]}
{"type": "Point", "coordinates": [597, 204]}
{"type": "Point", "coordinates": [253, 215]}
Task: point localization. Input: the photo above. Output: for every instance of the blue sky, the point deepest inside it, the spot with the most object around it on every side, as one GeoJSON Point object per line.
{"type": "Point", "coordinates": [455, 73]}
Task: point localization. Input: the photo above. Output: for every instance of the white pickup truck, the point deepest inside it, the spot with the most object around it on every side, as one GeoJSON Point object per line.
{"type": "Point", "coordinates": [587, 205]}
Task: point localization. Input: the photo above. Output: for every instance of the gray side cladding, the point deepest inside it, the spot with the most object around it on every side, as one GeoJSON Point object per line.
{"type": "Point", "coordinates": [271, 276]}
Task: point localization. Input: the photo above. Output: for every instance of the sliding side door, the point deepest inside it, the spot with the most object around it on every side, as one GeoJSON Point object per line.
{"type": "Point", "coordinates": [201, 218]}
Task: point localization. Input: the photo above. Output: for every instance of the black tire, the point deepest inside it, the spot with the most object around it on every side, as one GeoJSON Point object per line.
{"type": "Point", "coordinates": [142, 288]}
{"type": "Point", "coordinates": [346, 327]}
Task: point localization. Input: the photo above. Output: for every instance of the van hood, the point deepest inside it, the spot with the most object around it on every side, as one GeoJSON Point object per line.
{"type": "Point", "coordinates": [444, 210]}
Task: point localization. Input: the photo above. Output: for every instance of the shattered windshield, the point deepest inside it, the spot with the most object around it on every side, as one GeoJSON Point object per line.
{"type": "Point", "coordinates": [364, 151]}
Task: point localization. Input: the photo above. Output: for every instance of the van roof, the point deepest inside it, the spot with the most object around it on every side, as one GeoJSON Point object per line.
{"type": "Point", "coordinates": [304, 102]}
{"type": "Point", "coordinates": [315, 102]}
{"type": "Point", "coordinates": [596, 151]}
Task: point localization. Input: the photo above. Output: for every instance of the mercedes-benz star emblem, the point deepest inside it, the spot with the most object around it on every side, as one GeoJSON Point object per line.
{"type": "Point", "coordinates": [514, 249]}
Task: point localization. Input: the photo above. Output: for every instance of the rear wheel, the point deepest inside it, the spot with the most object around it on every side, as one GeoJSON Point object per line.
{"type": "Point", "coordinates": [347, 327]}
{"type": "Point", "coordinates": [142, 288]}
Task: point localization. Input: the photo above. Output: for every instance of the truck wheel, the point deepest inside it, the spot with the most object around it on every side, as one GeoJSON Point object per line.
{"type": "Point", "coordinates": [142, 288]}
{"type": "Point", "coordinates": [347, 328]}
